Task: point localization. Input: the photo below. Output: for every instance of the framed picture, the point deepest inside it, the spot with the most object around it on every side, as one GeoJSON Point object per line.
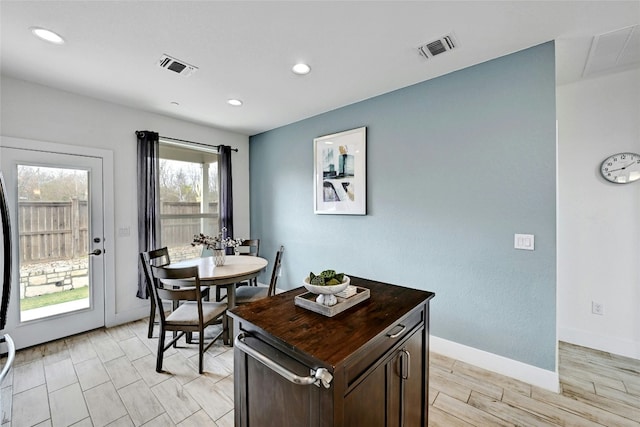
{"type": "Point", "coordinates": [340, 173]}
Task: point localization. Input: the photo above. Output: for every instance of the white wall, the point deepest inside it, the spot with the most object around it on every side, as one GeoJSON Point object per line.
{"type": "Point", "coordinates": [41, 113]}
{"type": "Point", "coordinates": [598, 222]}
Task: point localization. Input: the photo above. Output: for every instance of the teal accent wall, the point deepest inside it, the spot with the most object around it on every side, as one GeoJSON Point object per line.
{"type": "Point", "coordinates": [455, 167]}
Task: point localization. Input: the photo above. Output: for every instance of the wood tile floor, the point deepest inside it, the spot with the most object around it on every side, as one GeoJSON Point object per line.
{"type": "Point", "coordinates": [597, 389]}
{"type": "Point", "coordinates": [107, 378]}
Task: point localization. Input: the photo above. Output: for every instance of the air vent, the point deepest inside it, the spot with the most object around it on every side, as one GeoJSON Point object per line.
{"type": "Point", "coordinates": [176, 65]}
{"type": "Point", "coordinates": [614, 51]}
{"type": "Point", "coordinates": [436, 47]}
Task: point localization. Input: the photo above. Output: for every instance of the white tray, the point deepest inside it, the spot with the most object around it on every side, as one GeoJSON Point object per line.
{"type": "Point", "coordinates": [308, 301]}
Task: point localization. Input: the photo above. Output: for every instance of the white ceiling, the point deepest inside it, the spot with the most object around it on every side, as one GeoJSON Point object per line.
{"type": "Point", "coordinates": [245, 50]}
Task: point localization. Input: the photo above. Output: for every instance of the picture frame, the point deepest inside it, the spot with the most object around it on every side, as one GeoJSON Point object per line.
{"type": "Point", "coordinates": [340, 173]}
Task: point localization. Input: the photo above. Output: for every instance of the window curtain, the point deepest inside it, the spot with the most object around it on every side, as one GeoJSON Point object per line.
{"type": "Point", "coordinates": [226, 194]}
{"type": "Point", "coordinates": [148, 200]}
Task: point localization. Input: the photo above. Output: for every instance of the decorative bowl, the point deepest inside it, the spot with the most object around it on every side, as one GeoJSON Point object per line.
{"type": "Point", "coordinates": [326, 293]}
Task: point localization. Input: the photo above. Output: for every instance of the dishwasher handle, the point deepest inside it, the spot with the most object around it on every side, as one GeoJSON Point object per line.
{"type": "Point", "coordinates": [317, 377]}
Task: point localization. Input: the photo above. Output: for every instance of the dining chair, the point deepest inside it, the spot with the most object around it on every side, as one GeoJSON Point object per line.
{"type": "Point", "coordinates": [159, 258]}
{"type": "Point", "coordinates": [250, 247]}
{"type": "Point", "coordinates": [193, 315]}
{"type": "Point", "coordinates": [245, 294]}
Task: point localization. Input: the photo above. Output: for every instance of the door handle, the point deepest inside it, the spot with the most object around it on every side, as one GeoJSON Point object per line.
{"type": "Point", "coordinates": [95, 252]}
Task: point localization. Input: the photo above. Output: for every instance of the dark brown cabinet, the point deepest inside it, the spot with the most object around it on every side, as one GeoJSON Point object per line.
{"type": "Point", "coordinates": [397, 382]}
{"type": "Point", "coordinates": [367, 366]}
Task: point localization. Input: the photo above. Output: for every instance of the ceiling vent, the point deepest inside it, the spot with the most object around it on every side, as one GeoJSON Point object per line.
{"type": "Point", "coordinates": [436, 47]}
{"type": "Point", "coordinates": [614, 51]}
{"type": "Point", "coordinates": [176, 65]}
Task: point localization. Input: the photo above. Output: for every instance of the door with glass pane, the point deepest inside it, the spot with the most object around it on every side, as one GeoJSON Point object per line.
{"type": "Point", "coordinates": [56, 202]}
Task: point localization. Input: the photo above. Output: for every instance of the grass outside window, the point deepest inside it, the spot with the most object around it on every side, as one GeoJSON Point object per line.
{"type": "Point", "coordinates": [54, 298]}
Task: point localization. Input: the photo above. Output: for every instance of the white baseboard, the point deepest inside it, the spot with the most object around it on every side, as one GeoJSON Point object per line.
{"type": "Point", "coordinates": [600, 342]}
{"type": "Point", "coordinates": [543, 378]}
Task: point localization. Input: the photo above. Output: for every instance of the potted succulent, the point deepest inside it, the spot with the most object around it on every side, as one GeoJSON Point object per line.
{"type": "Point", "coordinates": [326, 285]}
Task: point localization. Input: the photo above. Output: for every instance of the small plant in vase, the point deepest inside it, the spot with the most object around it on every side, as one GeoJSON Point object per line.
{"type": "Point", "coordinates": [235, 244]}
{"type": "Point", "coordinates": [217, 244]}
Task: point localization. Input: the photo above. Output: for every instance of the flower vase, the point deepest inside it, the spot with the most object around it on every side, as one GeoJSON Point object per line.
{"type": "Point", "coordinates": [219, 256]}
{"type": "Point", "coordinates": [236, 251]}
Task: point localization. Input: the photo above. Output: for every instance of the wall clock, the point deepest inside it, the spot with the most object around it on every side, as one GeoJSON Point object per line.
{"type": "Point", "coordinates": [621, 168]}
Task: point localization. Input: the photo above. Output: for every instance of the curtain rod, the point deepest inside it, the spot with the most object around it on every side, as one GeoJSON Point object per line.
{"type": "Point", "coordinates": [191, 142]}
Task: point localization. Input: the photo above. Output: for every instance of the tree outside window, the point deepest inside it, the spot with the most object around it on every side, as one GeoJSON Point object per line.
{"type": "Point", "coordinates": [189, 198]}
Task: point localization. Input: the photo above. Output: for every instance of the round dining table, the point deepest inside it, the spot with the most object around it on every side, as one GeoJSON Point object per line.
{"type": "Point", "coordinates": [236, 269]}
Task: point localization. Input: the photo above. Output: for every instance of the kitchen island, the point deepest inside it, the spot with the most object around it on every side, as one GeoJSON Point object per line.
{"type": "Point", "coordinates": [367, 366]}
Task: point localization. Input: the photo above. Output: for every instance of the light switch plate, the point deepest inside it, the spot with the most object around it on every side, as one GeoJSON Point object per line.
{"type": "Point", "coordinates": [524, 241]}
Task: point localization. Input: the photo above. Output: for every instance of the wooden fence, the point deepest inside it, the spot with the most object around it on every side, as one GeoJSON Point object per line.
{"type": "Point", "coordinates": [181, 220]}
{"type": "Point", "coordinates": [50, 231]}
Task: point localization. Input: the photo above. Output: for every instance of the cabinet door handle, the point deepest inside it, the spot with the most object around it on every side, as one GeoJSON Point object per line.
{"type": "Point", "coordinates": [406, 365]}
{"type": "Point", "coordinates": [317, 377]}
{"type": "Point", "coordinates": [397, 334]}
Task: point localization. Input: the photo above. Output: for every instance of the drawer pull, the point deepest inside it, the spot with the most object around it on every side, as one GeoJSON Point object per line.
{"type": "Point", "coordinates": [397, 334]}
{"type": "Point", "coordinates": [317, 377]}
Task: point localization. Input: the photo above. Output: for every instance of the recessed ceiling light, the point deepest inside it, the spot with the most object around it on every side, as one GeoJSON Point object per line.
{"type": "Point", "coordinates": [234, 102]}
{"type": "Point", "coordinates": [301, 69]}
{"type": "Point", "coordinates": [47, 35]}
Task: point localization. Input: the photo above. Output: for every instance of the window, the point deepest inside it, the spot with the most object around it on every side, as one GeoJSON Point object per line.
{"type": "Point", "coordinates": [189, 197]}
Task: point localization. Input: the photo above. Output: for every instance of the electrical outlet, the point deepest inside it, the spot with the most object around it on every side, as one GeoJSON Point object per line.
{"type": "Point", "coordinates": [597, 308]}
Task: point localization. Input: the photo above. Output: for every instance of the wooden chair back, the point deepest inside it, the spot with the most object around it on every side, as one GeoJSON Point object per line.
{"type": "Point", "coordinates": [177, 284]}
{"type": "Point", "coordinates": [250, 247]}
{"type": "Point", "coordinates": [246, 294]}
{"type": "Point", "coordinates": [277, 264]}
{"type": "Point", "coordinates": [159, 258]}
